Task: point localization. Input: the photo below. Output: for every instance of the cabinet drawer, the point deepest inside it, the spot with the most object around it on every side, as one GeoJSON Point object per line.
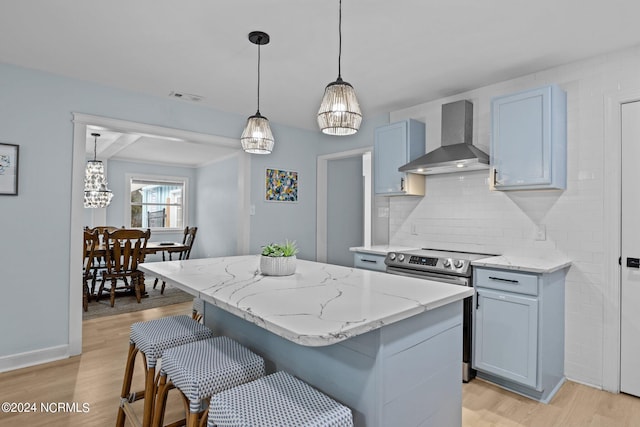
{"type": "Point", "coordinates": [369, 261]}
{"type": "Point", "coordinates": [510, 281]}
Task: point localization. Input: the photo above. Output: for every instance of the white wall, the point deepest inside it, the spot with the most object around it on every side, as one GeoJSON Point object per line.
{"type": "Point", "coordinates": [460, 212]}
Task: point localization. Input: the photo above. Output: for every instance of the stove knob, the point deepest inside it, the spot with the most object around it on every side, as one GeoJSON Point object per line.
{"type": "Point", "coordinates": [392, 256]}
{"type": "Point", "coordinates": [401, 257]}
{"type": "Point", "coordinates": [458, 263]}
{"type": "Point", "coordinates": [446, 263]}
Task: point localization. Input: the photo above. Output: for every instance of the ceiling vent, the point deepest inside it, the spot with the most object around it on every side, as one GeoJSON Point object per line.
{"type": "Point", "coordinates": [186, 96]}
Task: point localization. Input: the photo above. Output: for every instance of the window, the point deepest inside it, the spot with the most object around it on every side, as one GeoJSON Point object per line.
{"type": "Point", "coordinates": [157, 202]}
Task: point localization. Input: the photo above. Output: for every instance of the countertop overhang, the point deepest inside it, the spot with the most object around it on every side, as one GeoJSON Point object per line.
{"type": "Point", "coordinates": [321, 304]}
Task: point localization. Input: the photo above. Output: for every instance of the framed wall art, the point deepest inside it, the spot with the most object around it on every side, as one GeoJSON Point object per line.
{"type": "Point", "coordinates": [281, 186]}
{"type": "Point", "coordinates": [8, 169]}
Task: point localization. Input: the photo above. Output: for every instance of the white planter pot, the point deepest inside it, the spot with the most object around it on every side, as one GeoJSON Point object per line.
{"type": "Point", "coordinates": [277, 266]}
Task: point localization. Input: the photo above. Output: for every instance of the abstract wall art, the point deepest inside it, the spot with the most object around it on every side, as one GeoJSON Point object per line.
{"type": "Point", "coordinates": [281, 186]}
{"type": "Point", "coordinates": [8, 169]}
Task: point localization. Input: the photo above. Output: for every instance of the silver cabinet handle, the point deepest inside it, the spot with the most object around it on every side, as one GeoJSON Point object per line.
{"type": "Point", "coordinates": [369, 260]}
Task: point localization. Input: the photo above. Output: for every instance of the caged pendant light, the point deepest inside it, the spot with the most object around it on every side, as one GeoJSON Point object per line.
{"type": "Point", "coordinates": [96, 193]}
{"type": "Point", "coordinates": [257, 137]}
{"type": "Point", "coordinates": [339, 112]}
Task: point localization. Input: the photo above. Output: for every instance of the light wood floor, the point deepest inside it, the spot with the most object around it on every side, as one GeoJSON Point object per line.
{"type": "Point", "coordinates": [95, 378]}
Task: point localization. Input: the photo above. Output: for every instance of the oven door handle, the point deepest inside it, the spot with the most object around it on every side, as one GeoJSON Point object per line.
{"type": "Point", "coordinates": [453, 280]}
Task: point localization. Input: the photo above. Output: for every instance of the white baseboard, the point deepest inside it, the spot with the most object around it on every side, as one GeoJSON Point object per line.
{"type": "Point", "coordinates": [35, 357]}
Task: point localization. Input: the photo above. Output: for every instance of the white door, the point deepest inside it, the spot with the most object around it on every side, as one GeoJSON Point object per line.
{"type": "Point", "coordinates": [630, 251]}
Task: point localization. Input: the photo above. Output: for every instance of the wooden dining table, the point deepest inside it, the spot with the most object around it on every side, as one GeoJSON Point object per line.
{"type": "Point", "coordinates": [152, 248]}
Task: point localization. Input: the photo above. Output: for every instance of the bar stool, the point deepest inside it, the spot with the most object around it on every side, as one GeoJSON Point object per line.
{"type": "Point", "coordinates": [152, 338]}
{"type": "Point", "coordinates": [277, 400]}
{"type": "Point", "coordinates": [201, 369]}
{"type": "Point", "coordinates": [198, 310]}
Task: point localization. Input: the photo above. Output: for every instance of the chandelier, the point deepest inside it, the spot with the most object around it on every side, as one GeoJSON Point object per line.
{"type": "Point", "coordinates": [339, 112]}
{"type": "Point", "coordinates": [96, 193]}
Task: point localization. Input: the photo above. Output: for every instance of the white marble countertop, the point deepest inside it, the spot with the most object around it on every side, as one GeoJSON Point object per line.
{"type": "Point", "coordinates": [381, 249]}
{"type": "Point", "coordinates": [320, 304]}
{"type": "Point", "coordinates": [523, 263]}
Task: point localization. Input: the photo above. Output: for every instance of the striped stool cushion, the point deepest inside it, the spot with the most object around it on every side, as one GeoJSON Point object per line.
{"type": "Point", "coordinates": [278, 400]}
{"type": "Point", "coordinates": [203, 368]}
{"type": "Point", "coordinates": [155, 336]}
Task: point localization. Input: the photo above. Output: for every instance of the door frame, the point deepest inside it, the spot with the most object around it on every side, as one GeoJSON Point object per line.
{"type": "Point", "coordinates": [322, 196]}
{"type": "Point", "coordinates": [80, 123]}
{"type": "Point", "coordinates": [612, 315]}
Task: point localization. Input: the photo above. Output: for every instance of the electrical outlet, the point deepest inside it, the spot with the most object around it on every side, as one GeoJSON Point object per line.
{"type": "Point", "coordinates": [383, 212]}
{"type": "Point", "coordinates": [252, 210]}
{"type": "Point", "coordinates": [541, 232]}
{"type": "Point", "coordinates": [414, 229]}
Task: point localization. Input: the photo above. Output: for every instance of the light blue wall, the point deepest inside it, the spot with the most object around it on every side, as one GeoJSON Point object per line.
{"type": "Point", "coordinates": [216, 209]}
{"type": "Point", "coordinates": [36, 112]}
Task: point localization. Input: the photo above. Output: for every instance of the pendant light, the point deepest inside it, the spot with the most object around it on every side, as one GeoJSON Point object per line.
{"type": "Point", "coordinates": [339, 112]}
{"type": "Point", "coordinates": [96, 193]}
{"type": "Point", "coordinates": [257, 137]}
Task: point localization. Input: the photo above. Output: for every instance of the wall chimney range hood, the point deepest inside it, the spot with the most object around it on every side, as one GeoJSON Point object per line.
{"type": "Point", "coordinates": [456, 153]}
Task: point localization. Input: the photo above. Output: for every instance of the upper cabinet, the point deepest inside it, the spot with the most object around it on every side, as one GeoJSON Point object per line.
{"type": "Point", "coordinates": [529, 140]}
{"type": "Point", "coordinates": [397, 144]}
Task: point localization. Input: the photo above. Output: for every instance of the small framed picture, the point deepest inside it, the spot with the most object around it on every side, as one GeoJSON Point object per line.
{"type": "Point", "coordinates": [281, 186]}
{"type": "Point", "coordinates": [8, 169]}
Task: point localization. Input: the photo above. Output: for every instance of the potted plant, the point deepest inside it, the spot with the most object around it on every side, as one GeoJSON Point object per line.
{"type": "Point", "coordinates": [278, 259]}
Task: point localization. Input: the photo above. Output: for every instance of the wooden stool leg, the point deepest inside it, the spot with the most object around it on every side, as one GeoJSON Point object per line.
{"type": "Point", "coordinates": [126, 383]}
{"type": "Point", "coordinates": [149, 396]}
{"type": "Point", "coordinates": [161, 402]}
{"type": "Point", "coordinates": [193, 419]}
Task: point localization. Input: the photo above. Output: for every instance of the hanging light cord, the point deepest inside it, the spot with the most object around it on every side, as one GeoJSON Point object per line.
{"type": "Point", "coordinates": [339, 40]}
{"type": "Point", "coordinates": [259, 42]}
{"type": "Point", "coordinates": [95, 148]}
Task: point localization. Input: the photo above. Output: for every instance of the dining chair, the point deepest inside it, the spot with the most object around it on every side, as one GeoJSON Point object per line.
{"type": "Point", "coordinates": [88, 272]}
{"type": "Point", "coordinates": [125, 249]}
{"type": "Point", "coordinates": [188, 238]}
{"type": "Point", "coordinates": [99, 262]}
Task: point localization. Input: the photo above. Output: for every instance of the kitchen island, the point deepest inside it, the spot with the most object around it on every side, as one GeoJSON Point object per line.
{"type": "Point", "coordinates": [387, 346]}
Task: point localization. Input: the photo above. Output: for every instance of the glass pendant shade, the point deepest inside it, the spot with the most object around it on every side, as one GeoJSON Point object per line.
{"type": "Point", "coordinates": [257, 137]}
{"type": "Point", "coordinates": [96, 192]}
{"type": "Point", "coordinates": [339, 112]}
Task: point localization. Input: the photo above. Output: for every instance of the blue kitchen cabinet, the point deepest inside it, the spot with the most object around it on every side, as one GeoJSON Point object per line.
{"type": "Point", "coordinates": [395, 145]}
{"type": "Point", "coordinates": [519, 330]}
{"type": "Point", "coordinates": [529, 139]}
{"type": "Point", "coordinates": [507, 331]}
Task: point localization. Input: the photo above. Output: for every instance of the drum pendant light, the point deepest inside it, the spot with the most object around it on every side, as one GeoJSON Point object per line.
{"type": "Point", "coordinates": [257, 137]}
{"type": "Point", "coordinates": [96, 193]}
{"type": "Point", "coordinates": [339, 112]}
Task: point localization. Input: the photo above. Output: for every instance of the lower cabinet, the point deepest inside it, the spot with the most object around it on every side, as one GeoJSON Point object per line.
{"type": "Point", "coordinates": [519, 330]}
{"type": "Point", "coordinates": [507, 348]}
{"type": "Point", "coordinates": [369, 261]}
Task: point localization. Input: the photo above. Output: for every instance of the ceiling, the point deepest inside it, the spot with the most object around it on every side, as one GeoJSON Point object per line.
{"type": "Point", "coordinates": [395, 53]}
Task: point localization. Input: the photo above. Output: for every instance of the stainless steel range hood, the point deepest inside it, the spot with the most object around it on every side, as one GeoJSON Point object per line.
{"type": "Point", "coordinates": [456, 153]}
